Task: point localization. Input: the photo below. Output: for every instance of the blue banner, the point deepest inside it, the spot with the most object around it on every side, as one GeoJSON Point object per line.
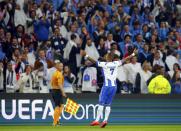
{"type": "Point", "coordinates": [37, 109]}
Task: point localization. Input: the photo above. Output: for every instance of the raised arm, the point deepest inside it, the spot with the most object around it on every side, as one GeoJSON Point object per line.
{"type": "Point", "coordinates": [130, 56]}
{"type": "Point", "coordinates": [83, 53]}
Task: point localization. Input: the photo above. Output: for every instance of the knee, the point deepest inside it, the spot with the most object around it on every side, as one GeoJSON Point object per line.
{"type": "Point", "coordinates": [101, 107]}
{"type": "Point", "coordinates": [108, 108]}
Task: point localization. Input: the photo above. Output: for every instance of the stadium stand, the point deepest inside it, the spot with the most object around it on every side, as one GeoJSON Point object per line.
{"type": "Point", "coordinates": [35, 33]}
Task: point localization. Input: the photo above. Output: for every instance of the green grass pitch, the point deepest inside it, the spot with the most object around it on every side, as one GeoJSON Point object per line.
{"type": "Point", "coordinates": [88, 128]}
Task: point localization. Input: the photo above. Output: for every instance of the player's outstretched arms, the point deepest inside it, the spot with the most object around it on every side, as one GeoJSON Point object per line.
{"type": "Point", "coordinates": [83, 53]}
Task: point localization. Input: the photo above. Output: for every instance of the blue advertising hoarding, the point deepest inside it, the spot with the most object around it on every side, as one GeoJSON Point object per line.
{"type": "Point", "coordinates": [37, 109]}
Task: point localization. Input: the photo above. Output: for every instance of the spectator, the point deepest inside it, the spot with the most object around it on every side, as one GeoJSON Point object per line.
{"type": "Point", "coordinates": [126, 31]}
{"type": "Point", "coordinates": [121, 79]}
{"type": "Point", "coordinates": [146, 33]}
{"type": "Point", "coordinates": [135, 17]}
{"type": "Point", "coordinates": [178, 26]}
{"type": "Point", "coordinates": [2, 14]}
{"type": "Point", "coordinates": [7, 46]}
{"type": "Point", "coordinates": [176, 83]}
{"type": "Point", "coordinates": [69, 80]}
{"type": "Point", "coordinates": [15, 44]}
{"type": "Point", "coordinates": [10, 79]}
{"type": "Point", "coordinates": [30, 54]}
{"type": "Point", "coordinates": [176, 68]}
{"type": "Point", "coordinates": [131, 70]}
{"type": "Point", "coordinates": [171, 59]}
{"type": "Point", "coordinates": [159, 84]}
{"type": "Point", "coordinates": [115, 50]}
{"type": "Point", "coordinates": [144, 55]}
{"type": "Point", "coordinates": [157, 60]}
{"type": "Point", "coordinates": [30, 27]}
{"type": "Point", "coordinates": [41, 80]}
{"type": "Point", "coordinates": [163, 31]}
{"type": "Point", "coordinates": [145, 75]}
{"type": "Point", "coordinates": [89, 82]}
{"type": "Point", "coordinates": [178, 39]}
{"type": "Point", "coordinates": [91, 50]}
{"type": "Point", "coordinates": [73, 30]}
{"type": "Point", "coordinates": [101, 48]}
{"type": "Point", "coordinates": [109, 41]}
{"type": "Point", "coordinates": [139, 42]}
{"type": "Point", "coordinates": [161, 17]}
{"type": "Point", "coordinates": [58, 43]}
{"type": "Point", "coordinates": [2, 35]}
{"type": "Point", "coordinates": [39, 10]}
{"type": "Point", "coordinates": [2, 55]}
{"type": "Point", "coordinates": [27, 81]}
{"type": "Point", "coordinates": [70, 52]}
{"type": "Point", "coordinates": [41, 28]}
{"type": "Point", "coordinates": [153, 40]}
{"type": "Point", "coordinates": [121, 14]}
{"type": "Point", "coordinates": [126, 6]}
{"type": "Point", "coordinates": [48, 50]}
{"type": "Point", "coordinates": [42, 71]}
{"type": "Point", "coordinates": [20, 18]}
{"type": "Point", "coordinates": [1, 77]}
{"type": "Point", "coordinates": [136, 29]}
{"type": "Point", "coordinates": [116, 34]}
{"type": "Point", "coordinates": [170, 7]}
{"type": "Point", "coordinates": [20, 64]}
{"type": "Point", "coordinates": [100, 31]}
{"type": "Point", "coordinates": [62, 28]}
{"type": "Point", "coordinates": [145, 14]}
{"type": "Point", "coordinates": [123, 46]}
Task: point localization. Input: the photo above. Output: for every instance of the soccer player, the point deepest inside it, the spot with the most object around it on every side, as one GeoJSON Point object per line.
{"type": "Point", "coordinates": [110, 69]}
{"type": "Point", "coordinates": [57, 82]}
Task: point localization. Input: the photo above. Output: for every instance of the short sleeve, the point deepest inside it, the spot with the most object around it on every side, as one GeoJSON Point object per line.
{"type": "Point", "coordinates": [118, 63]}
{"type": "Point", "coordinates": [60, 79]}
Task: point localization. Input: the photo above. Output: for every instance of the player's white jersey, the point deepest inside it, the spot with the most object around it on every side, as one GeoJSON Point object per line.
{"type": "Point", "coordinates": [110, 70]}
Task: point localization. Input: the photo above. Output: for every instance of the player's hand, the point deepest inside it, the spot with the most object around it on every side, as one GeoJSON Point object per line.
{"type": "Point", "coordinates": [82, 53]}
{"type": "Point", "coordinates": [64, 95]}
{"type": "Point", "coordinates": [134, 52]}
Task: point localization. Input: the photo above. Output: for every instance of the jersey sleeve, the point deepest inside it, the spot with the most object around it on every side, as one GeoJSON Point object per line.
{"type": "Point", "coordinates": [118, 63]}
{"type": "Point", "coordinates": [101, 64]}
{"type": "Point", "coordinates": [60, 79]}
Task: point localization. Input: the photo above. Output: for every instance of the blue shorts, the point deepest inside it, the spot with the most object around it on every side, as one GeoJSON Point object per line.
{"type": "Point", "coordinates": [107, 94]}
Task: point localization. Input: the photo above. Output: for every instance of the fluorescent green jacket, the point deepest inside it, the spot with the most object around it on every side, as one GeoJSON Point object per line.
{"type": "Point", "coordinates": [159, 85]}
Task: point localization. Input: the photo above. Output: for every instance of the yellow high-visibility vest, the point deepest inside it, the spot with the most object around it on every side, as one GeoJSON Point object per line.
{"type": "Point", "coordinates": [159, 85]}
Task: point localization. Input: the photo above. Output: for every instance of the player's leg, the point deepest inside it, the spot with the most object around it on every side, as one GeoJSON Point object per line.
{"type": "Point", "coordinates": [107, 112]}
{"type": "Point", "coordinates": [56, 115]}
{"type": "Point", "coordinates": [109, 98]}
{"type": "Point", "coordinates": [55, 95]}
{"type": "Point", "coordinates": [61, 106]}
{"type": "Point", "coordinates": [99, 112]}
{"type": "Point", "coordinates": [100, 107]}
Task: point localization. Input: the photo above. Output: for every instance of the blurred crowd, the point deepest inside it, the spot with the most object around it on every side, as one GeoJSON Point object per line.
{"type": "Point", "coordinates": [35, 33]}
